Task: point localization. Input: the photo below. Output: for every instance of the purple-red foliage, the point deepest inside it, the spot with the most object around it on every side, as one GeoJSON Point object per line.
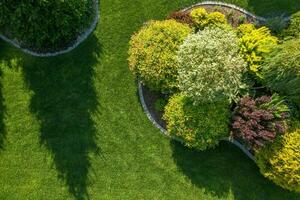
{"type": "Point", "coordinates": [182, 17]}
{"type": "Point", "coordinates": [255, 124]}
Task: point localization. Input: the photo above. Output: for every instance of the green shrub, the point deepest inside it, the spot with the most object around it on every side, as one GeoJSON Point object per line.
{"type": "Point", "coordinates": [280, 161]}
{"type": "Point", "coordinates": [203, 19]}
{"type": "Point", "coordinates": [45, 24]}
{"type": "Point", "coordinates": [281, 70]}
{"type": "Point", "coordinates": [201, 126]}
{"type": "Point", "coordinates": [210, 66]}
{"type": "Point", "coordinates": [255, 44]}
{"type": "Point", "coordinates": [160, 104]}
{"type": "Point", "coordinates": [293, 29]}
{"type": "Point", "coordinates": [152, 53]}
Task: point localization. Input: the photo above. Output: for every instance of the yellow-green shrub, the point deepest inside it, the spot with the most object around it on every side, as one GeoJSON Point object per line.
{"type": "Point", "coordinates": [203, 19]}
{"type": "Point", "coordinates": [152, 53]}
{"type": "Point", "coordinates": [254, 45]}
{"type": "Point", "coordinates": [280, 161]}
{"type": "Point", "coordinates": [199, 126]}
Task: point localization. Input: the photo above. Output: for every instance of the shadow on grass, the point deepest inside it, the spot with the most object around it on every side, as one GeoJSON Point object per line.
{"type": "Point", "coordinates": [273, 7]}
{"type": "Point", "coordinates": [226, 171]}
{"type": "Point", "coordinates": [63, 100]}
{"type": "Point", "coordinates": [2, 110]}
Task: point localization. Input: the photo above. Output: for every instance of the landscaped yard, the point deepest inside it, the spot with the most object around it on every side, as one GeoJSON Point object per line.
{"type": "Point", "coordinates": [72, 126]}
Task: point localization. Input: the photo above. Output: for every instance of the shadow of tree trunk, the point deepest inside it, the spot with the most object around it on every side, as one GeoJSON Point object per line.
{"type": "Point", "coordinates": [224, 171]}
{"type": "Point", "coordinates": [63, 100]}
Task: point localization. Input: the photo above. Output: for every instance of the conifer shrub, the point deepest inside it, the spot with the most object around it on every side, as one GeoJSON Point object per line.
{"type": "Point", "coordinates": [153, 53]}
{"type": "Point", "coordinates": [201, 126]}
{"type": "Point", "coordinates": [280, 161]}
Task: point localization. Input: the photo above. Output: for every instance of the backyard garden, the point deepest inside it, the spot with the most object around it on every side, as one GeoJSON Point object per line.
{"type": "Point", "coordinates": [150, 99]}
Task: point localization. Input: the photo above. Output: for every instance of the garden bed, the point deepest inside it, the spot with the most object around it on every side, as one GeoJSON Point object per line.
{"type": "Point", "coordinates": [62, 46]}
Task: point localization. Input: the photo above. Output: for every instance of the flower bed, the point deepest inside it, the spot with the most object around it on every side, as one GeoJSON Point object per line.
{"type": "Point", "coordinates": [223, 78]}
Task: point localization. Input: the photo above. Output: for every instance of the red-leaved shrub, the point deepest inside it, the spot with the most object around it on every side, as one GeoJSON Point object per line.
{"type": "Point", "coordinates": [182, 17]}
{"type": "Point", "coordinates": [258, 121]}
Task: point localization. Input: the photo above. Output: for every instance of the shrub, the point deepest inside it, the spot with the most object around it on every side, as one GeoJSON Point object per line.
{"type": "Point", "coordinates": [200, 126]}
{"type": "Point", "coordinates": [293, 30]}
{"type": "Point", "coordinates": [258, 121]}
{"type": "Point", "coordinates": [182, 17]}
{"type": "Point", "coordinates": [280, 161]}
{"type": "Point", "coordinates": [210, 66]}
{"type": "Point", "coordinates": [28, 21]}
{"type": "Point", "coordinates": [203, 19]}
{"type": "Point", "coordinates": [281, 70]}
{"type": "Point", "coordinates": [254, 45]}
{"type": "Point", "coordinates": [152, 53]}
{"type": "Point", "coordinates": [160, 104]}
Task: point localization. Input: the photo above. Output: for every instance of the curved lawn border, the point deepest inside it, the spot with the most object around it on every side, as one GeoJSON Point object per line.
{"type": "Point", "coordinates": [164, 131]}
{"type": "Point", "coordinates": [78, 41]}
{"type": "Point", "coordinates": [216, 3]}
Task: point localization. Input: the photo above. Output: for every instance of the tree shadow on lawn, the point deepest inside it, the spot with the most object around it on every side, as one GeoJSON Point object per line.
{"type": "Point", "coordinates": [63, 100]}
{"type": "Point", "coordinates": [226, 170]}
{"type": "Point", "coordinates": [273, 7]}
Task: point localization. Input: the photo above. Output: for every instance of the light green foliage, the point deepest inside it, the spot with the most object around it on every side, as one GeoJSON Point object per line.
{"type": "Point", "coordinates": [203, 19]}
{"type": "Point", "coordinates": [280, 161]}
{"type": "Point", "coordinates": [254, 45]}
{"type": "Point", "coordinates": [210, 66]}
{"type": "Point", "coordinates": [152, 53]}
{"type": "Point", "coordinates": [201, 126]}
{"type": "Point", "coordinates": [293, 29]}
{"type": "Point", "coordinates": [45, 24]}
{"type": "Point", "coordinates": [281, 70]}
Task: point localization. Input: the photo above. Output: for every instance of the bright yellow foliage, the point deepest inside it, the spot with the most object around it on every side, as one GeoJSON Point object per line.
{"type": "Point", "coordinates": [254, 45]}
{"type": "Point", "coordinates": [280, 161]}
{"type": "Point", "coordinates": [203, 19]}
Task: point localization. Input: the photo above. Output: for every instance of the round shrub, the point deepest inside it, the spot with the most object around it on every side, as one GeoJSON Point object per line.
{"type": "Point", "coordinates": [29, 21]}
{"type": "Point", "coordinates": [152, 53]}
{"type": "Point", "coordinates": [200, 126]}
{"type": "Point", "coordinates": [258, 121]}
{"type": "Point", "coordinates": [280, 161]}
{"type": "Point", "coordinates": [255, 44]}
{"type": "Point", "coordinates": [293, 29]}
{"type": "Point", "coordinates": [203, 19]}
{"type": "Point", "coordinates": [281, 70]}
{"type": "Point", "coordinates": [210, 66]}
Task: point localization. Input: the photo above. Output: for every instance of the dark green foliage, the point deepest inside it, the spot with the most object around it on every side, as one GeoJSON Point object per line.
{"type": "Point", "coordinates": [281, 71]}
{"type": "Point", "coordinates": [293, 29]}
{"type": "Point", "coordinates": [160, 104]}
{"type": "Point", "coordinates": [45, 25]}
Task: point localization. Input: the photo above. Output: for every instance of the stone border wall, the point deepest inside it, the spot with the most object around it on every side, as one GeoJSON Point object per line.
{"type": "Point", "coordinates": [78, 41]}
{"type": "Point", "coordinates": [164, 131]}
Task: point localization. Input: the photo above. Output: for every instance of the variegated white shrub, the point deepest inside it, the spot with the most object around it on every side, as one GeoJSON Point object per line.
{"type": "Point", "coordinates": [211, 68]}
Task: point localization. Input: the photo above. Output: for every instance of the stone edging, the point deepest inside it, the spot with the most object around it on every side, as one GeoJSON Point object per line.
{"type": "Point", "coordinates": [78, 41]}
{"type": "Point", "coordinates": [216, 3]}
{"type": "Point", "coordinates": [164, 131]}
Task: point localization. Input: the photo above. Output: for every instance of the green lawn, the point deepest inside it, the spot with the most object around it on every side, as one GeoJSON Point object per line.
{"type": "Point", "coordinates": [72, 126]}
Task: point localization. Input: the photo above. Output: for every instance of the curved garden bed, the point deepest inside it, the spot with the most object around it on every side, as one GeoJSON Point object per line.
{"type": "Point", "coordinates": [214, 72]}
{"type": "Point", "coordinates": [69, 46]}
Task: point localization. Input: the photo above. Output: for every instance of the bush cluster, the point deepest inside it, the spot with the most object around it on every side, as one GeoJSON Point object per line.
{"type": "Point", "coordinates": [281, 70]}
{"type": "Point", "coordinates": [258, 121]}
{"type": "Point", "coordinates": [280, 161]}
{"type": "Point", "coordinates": [293, 30]}
{"type": "Point", "coordinates": [210, 66]}
{"type": "Point", "coordinates": [255, 44]}
{"type": "Point", "coordinates": [201, 126]}
{"type": "Point", "coordinates": [28, 21]}
{"type": "Point", "coordinates": [182, 17]}
{"type": "Point", "coordinates": [152, 53]}
{"type": "Point", "coordinates": [203, 19]}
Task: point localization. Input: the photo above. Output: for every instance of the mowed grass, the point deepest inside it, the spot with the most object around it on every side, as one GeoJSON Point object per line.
{"type": "Point", "coordinates": [72, 126]}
